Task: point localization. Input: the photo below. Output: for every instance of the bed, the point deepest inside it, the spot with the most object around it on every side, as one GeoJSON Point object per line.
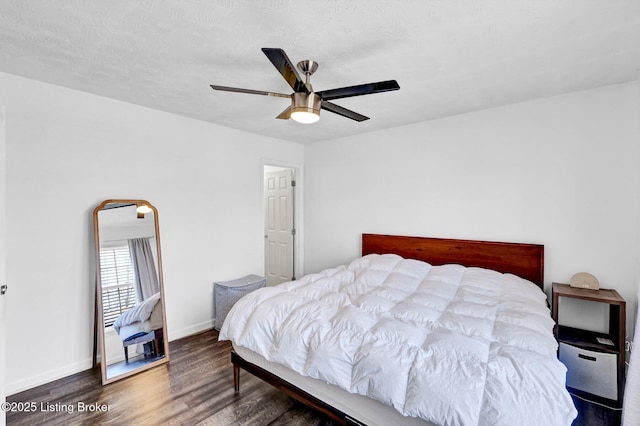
{"type": "Point", "coordinates": [409, 342]}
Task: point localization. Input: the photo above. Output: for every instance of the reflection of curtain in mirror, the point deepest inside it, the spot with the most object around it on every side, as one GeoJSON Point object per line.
{"type": "Point", "coordinates": [144, 268]}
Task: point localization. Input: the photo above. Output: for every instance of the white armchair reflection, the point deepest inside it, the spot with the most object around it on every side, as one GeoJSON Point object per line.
{"type": "Point", "coordinates": [142, 326]}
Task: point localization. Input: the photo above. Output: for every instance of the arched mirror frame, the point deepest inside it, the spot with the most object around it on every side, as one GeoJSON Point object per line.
{"type": "Point", "coordinates": [99, 328]}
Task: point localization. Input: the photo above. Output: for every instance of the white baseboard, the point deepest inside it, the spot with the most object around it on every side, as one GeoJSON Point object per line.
{"type": "Point", "coordinates": [48, 376]}
{"type": "Point", "coordinates": [68, 370]}
{"type": "Point", "coordinates": [188, 331]}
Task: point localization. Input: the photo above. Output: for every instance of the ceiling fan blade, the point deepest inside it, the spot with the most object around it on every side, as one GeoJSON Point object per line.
{"type": "Point", "coordinates": [281, 61]}
{"type": "Point", "coordinates": [362, 89]}
{"type": "Point", "coordinates": [249, 91]}
{"type": "Point", "coordinates": [286, 114]}
{"type": "Point", "coordinates": [329, 106]}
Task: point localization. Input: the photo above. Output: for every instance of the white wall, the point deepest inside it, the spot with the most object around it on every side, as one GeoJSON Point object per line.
{"type": "Point", "coordinates": [66, 152]}
{"type": "Point", "coordinates": [561, 171]}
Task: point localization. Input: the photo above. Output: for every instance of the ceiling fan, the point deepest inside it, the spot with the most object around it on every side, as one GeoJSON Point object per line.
{"type": "Point", "coordinates": [305, 103]}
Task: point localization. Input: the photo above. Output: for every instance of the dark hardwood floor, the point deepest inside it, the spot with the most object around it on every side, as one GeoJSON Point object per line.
{"type": "Point", "coordinates": [194, 388]}
{"type": "Point", "coordinates": [593, 414]}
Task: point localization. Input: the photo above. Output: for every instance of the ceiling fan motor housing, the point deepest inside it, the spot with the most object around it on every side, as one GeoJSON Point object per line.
{"type": "Point", "coordinates": [306, 102]}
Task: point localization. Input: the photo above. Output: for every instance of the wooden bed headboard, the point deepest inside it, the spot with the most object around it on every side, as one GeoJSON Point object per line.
{"type": "Point", "coordinates": [523, 260]}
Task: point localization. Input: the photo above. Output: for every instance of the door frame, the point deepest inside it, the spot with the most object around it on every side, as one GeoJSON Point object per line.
{"type": "Point", "coordinates": [298, 210]}
{"type": "Point", "coordinates": [3, 261]}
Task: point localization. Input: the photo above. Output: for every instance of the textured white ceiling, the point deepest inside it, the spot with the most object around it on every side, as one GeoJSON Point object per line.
{"type": "Point", "coordinates": [449, 57]}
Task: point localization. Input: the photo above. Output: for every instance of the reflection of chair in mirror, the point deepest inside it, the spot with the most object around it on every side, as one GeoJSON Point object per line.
{"type": "Point", "coordinates": [142, 324]}
{"type": "Point", "coordinates": [141, 338]}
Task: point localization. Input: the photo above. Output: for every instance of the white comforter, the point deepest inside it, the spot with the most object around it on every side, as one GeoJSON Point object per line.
{"type": "Point", "coordinates": [449, 344]}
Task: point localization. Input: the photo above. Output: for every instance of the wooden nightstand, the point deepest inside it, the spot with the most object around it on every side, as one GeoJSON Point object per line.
{"type": "Point", "coordinates": [594, 348]}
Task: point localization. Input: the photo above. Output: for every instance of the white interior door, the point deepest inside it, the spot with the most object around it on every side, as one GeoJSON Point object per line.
{"type": "Point", "coordinates": [3, 263]}
{"type": "Point", "coordinates": [279, 226]}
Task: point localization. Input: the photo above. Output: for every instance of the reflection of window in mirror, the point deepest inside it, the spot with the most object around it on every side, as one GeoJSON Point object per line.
{"type": "Point", "coordinates": [118, 289]}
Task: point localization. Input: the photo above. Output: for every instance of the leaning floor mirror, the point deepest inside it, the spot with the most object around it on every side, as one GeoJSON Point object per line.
{"type": "Point", "coordinates": [130, 316]}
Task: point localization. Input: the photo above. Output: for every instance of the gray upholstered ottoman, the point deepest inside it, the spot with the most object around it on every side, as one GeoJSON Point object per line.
{"type": "Point", "coordinates": [227, 293]}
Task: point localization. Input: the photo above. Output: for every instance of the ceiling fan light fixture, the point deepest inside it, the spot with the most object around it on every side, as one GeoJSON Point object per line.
{"type": "Point", "coordinates": [306, 107]}
{"type": "Point", "coordinates": [305, 115]}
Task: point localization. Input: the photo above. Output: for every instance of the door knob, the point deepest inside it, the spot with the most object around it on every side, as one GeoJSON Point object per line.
{"type": "Point", "coordinates": [3, 289]}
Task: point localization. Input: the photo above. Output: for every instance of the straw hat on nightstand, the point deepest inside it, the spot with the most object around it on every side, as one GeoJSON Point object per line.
{"type": "Point", "coordinates": [584, 280]}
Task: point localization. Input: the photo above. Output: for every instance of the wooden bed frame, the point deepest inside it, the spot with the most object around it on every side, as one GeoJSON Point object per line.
{"type": "Point", "coordinates": [524, 260]}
